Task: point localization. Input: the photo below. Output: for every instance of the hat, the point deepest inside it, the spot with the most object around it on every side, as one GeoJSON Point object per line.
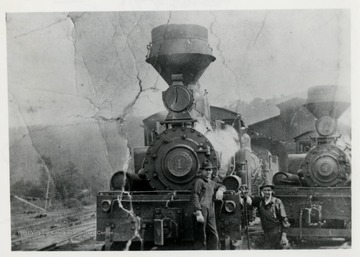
{"type": "Point", "coordinates": [206, 165]}
{"type": "Point", "coordinates": [267, 183]}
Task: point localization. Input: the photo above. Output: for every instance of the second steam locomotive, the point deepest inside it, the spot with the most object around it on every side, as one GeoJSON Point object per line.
{"type": "Point", "coordinates": [317, 193]}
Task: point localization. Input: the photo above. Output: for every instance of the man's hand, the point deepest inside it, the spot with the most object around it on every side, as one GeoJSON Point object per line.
{"type": "Point", "coordinates": [199, 217]}
{"type": "Point", "coordinates": [220, 193]}
{"type": "Point", "coordinates": [248, 200]}
{"type": "Point", "coordinates": [245, 199]}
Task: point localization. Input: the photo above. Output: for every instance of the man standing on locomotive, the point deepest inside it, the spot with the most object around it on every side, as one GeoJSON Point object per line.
{"type": "Point", "coordinates": [272, 216]}
{"type": "Point", "coordinates": [206, 236]}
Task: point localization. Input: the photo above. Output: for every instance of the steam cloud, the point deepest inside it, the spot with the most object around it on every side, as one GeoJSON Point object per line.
{"type": "Point", "coordinates": [225, 141]}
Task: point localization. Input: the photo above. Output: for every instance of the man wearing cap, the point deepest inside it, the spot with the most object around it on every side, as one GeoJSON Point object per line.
{"type": "Point", "coordinates": [273, 217]}
{"type": "Point", "coordinates": [206, 236]}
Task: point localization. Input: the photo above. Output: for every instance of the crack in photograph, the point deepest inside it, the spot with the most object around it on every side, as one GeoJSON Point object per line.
{"type": "Point", "coordinates": [179, 130]}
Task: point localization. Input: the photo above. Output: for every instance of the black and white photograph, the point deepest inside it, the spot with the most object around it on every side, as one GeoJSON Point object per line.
{"type": "Point", "coordinates": [179, 129]}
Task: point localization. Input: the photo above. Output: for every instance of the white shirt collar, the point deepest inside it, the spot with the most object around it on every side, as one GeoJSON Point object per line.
{"type": "Point", "coordinates": [268, 201]}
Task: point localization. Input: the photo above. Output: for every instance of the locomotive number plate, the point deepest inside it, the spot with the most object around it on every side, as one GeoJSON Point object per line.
{"type": "Point", "coordinates": [179, 162]}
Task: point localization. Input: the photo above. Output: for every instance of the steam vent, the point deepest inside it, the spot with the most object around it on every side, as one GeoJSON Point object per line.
{"type": "Point", "coordinates": [180, 49]}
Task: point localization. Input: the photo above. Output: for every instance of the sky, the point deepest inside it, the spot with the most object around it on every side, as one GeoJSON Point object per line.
{"type": "Point", "coordinates": [69, 67]}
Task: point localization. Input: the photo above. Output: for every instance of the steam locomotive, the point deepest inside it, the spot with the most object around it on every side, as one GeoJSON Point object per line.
{"type": "Point", "coordinates": [316, 190]}
{"type": "Point", "coordinates": [151, 207]}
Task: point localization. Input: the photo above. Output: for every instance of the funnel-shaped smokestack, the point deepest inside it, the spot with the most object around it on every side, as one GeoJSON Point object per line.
{"type": "Point", "coordinates": [180, 49]}
{"type": "Point", "coordinates": [329, 101]}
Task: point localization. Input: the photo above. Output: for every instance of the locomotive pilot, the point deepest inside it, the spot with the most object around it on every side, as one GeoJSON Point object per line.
{"type": "Point", "coordinates": [206, 236]}
{"type": "Point", "coordinates": [272, 216]}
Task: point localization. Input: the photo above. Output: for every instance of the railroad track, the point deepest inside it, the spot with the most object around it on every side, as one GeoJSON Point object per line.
{"type": "Point", "coordinates": [42, 239]}
{"type": "Point", "coordinates": [50, 239]}
{"type": "Point", "coordinates": [81, 236]}
{"type": "Point", "coordinates": [51, 220]}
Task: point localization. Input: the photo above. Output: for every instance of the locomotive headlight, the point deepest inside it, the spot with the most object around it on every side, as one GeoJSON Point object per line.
{"type": "Point", "coordinates": [232, 182]}
{"type": "Point", "coordinates": [230, 206]}
{"type": "Point", "coordinates": [178, 98]}
{"type": "Point", "coordinates": [106, 205]}
{"type": "Point", "coordinates": [325, 126]}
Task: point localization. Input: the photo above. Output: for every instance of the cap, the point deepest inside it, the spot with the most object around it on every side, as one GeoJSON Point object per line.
{"type": "Point", "coordinates": [267, 183]}
{"type": "Point", "coordinates": [206, 165]}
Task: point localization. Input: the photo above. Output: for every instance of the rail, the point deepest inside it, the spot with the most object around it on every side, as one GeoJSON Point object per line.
{"type": "Point", "coordinates": [35, 239]}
